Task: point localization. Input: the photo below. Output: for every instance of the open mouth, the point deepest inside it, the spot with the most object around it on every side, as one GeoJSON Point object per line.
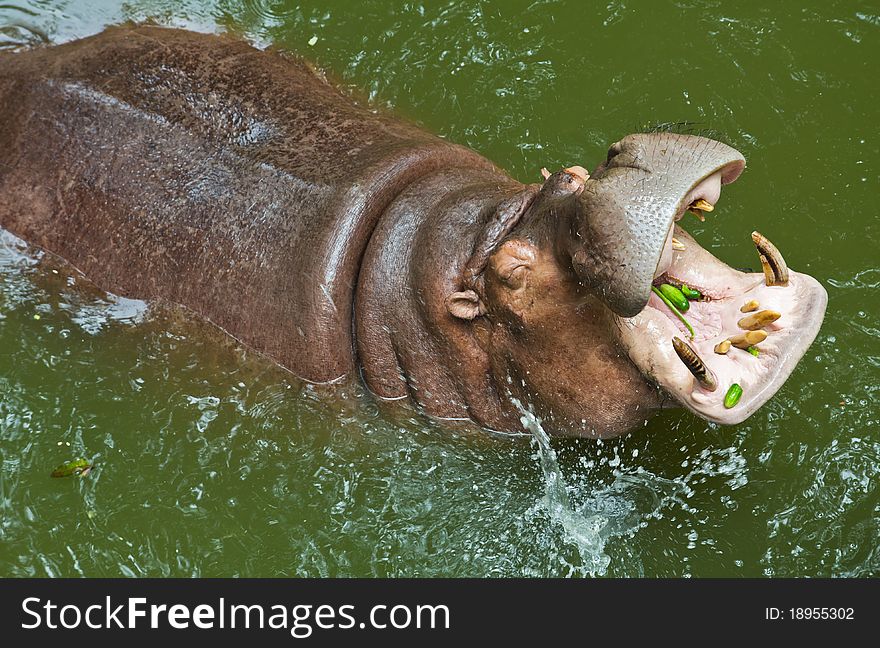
{"type": "Point", "coordinates": [719, 340]}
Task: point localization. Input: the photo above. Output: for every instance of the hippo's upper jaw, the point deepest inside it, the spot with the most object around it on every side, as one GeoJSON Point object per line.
{"type": "Point", "coordinates": [749, 329]}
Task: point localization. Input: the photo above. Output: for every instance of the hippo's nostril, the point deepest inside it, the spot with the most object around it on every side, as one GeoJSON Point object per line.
{"type": "Point", "coordinates": [613, 150]}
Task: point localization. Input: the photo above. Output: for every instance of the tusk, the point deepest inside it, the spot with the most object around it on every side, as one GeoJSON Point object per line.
{"type": "Point", "coordinates": [758, 320]}
{"type": "Point", "coordinates": [722, 347]}
{"type": "Point", "coordinates": [749, 306]}
{"type": "Point", "coordinates": [745, 340]}
{"type": "Point", "coordinates": [678, 245]}
{"type": "Point", "coordinates": [775, 268]}
{"type": "Point", "coordinates": [769, 275]}
{"type": "Point", "coordinates": [695, 364]}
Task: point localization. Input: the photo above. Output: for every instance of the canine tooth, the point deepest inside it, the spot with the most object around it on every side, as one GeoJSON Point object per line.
{"type": "Point", "coordinates": [750, 338]}
{"type": "Point", "coordinates": [677, 245]}
{"type": "Point", "coordinates": [775, 268]}
{"type": "Point", "coordinates": [722, 347]}
{"type": "Point", "coordinates": [695, 364]}
{"type": "Point", "coordinates": [749, 306]}
{"type": "Point", "coordinates": [758, 320]}
{"type": "Point", "coordinates": [698, 207]}
{"type": "Point", "coordinates": [769, 275]}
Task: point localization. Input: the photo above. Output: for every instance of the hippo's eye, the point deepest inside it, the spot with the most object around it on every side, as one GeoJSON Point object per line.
{"type": "Point", "coordinates": [513, 274]}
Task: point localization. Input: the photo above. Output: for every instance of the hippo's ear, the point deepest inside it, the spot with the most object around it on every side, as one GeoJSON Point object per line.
{"type": "Point", "coordinates": [465, 304]}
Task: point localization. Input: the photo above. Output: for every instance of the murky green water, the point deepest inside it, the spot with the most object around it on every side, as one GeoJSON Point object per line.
{"type": "Point", "coordinates": [212, 462]}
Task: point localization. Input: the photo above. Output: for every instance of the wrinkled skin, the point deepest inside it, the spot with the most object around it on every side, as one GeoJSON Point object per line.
{"type": "Point", "coordinates": [341, 243]}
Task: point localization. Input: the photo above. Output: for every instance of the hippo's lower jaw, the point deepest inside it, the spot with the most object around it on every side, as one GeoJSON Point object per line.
{"type": "Point", "coordinates": [795, 309]}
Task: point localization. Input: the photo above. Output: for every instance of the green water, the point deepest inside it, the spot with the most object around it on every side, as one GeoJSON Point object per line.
{"type": "Point", "coordinates": [212, 462]}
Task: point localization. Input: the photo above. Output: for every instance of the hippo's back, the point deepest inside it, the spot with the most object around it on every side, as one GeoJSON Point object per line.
{"type": "Point", "coordinates": [194, 168]}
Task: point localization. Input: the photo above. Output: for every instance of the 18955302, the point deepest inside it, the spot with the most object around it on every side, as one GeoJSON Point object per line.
{"type": "Point", "coordinates": [809, 614]}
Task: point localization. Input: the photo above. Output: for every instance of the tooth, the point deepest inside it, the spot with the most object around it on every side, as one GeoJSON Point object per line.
{"type": "Point", "coordinates": [769, 275]}
{"type": "Point", "coordinates": [749, 306]}
{"type": "Point", "coordinates": [750, 338]}
{"type": "Point", "coordinates": [775, 269]}
{"type": "Point", "coordinates": [698, 207]}
{"type": "Point", "coordinates": [677, 245]}
{"type": "Point", "coordinates": [759, 320]}
{"type": "Point", "coordinates": [722, 347]}
{"type": "Point", "coordinates": [695, 364]}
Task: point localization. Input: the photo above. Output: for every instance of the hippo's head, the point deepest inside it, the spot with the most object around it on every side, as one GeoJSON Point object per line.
{"type": "Point", "coordinates": [569, 299]}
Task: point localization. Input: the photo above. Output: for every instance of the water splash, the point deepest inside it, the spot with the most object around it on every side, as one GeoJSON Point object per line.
{"type": "Point", "coordinates": [592, 507]}
{"type": "Point", "coordinates": [584, 531]}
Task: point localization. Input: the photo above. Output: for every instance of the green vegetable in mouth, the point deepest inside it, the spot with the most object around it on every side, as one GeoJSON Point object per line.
{"type": "Point", "coordinates": [733, 395]}
{"type": "Point", "coordinates": [690, 293]}
{"type": "Point", "coordinates": [674, 295]}
{"type": "Point", "coordinates": [753, 350]}
{"type": "Point", "coordinates": [672, 307]}
{"type": "Point", "coordinates": [79, 467]}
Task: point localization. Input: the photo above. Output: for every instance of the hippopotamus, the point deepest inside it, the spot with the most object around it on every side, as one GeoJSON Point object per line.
{"type": "Point", "coordinates": [346, 244]}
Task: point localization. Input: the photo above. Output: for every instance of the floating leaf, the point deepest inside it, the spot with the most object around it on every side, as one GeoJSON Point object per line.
{"type": "Point", "coordinates": [79, 467]}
